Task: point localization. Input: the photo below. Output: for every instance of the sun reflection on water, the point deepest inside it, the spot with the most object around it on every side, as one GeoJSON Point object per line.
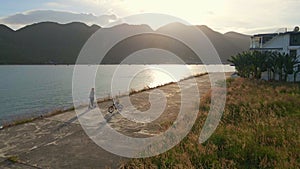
{"type": "Point", "coordinates": [152, 77]}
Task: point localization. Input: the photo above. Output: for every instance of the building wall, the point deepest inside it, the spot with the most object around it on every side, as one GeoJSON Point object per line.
{"type": "Point", "coordinates": [297, 48]}
{"type": "Point", "coordinates": [282, 41]}
{"type": "Point", "coordinates": [279, 42]}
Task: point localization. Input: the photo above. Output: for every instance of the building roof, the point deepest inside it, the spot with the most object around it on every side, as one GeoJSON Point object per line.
{"type": "Point", "coordinates": [266, 34]}
{"type": "Point", "coordinates": [275, 34]}
{"type": "Point", "coordinates": [266, 48]}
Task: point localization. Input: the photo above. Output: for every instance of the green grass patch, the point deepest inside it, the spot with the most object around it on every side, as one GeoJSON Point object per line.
{"type": "Point", "coordinates": [13, 159]}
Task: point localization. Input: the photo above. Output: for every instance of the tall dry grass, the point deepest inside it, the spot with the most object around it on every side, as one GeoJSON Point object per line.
{"type": "Point", "coordinates": [259, 129]}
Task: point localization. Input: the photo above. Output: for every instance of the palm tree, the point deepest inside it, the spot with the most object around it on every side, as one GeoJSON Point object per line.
{"type": "Point", "coordinates": [279, 61]}
{"type": "Point", "coordinates": [240, 63]}
{"type": "Point", "coordinates": [250, 64]}
{"type": "Point", "coordinates": [269, 65]}
{"type": "Point", "coordinates": [258, 60]}
{"type": "Point", "coordinates": [289, 65]}
{"type": "Point", "coordinates": [296, 72]}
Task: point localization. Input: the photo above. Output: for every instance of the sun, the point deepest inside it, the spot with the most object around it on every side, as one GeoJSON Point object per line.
{"type": "Point", "coordinates": [189, 10]}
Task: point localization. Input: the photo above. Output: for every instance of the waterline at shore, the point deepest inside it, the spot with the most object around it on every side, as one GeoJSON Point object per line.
{"type": "Point", "coordinates": [60, 137]}
{"type": "Point", "coordinates": [32, 117]}
{"type": "Point", "coordinates": [28, 91]}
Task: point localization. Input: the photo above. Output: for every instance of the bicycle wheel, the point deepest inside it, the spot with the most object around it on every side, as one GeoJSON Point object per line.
{"type": "Point", "coordinates": [120, 107]}
{"type": "Point", "coordinates": [111, 109]}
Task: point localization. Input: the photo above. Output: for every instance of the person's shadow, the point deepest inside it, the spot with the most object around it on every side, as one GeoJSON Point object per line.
{"type": "Point", "coordinates": [107, 118]}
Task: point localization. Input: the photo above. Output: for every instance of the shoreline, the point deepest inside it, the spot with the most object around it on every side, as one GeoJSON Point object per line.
{"type": "Point", "coordinates": [59, 140]}
{"type": "Point", "coordinates": [112, 64]}
{"type": "Point", "coordinates": [55, 111]}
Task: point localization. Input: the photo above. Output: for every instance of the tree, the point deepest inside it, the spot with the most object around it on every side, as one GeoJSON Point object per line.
{"type": "Point", "coordinates": [297, 70]}
{"type": "Point", "coordinates": [258, 60]}
{"type": "Point", "coordinates": [271, 66]}
{"type": "Point", "coordinates": [290, 65]}
{"type": "Point", "coordinates": [243, 65]}
{"type": "Point", "coordinates": [279, 60]}
{"type": "Point", "coordinates": [251, 64]}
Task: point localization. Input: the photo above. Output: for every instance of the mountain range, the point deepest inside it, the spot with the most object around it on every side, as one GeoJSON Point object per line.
{"type": "Point", "coordinates": [53, 43]}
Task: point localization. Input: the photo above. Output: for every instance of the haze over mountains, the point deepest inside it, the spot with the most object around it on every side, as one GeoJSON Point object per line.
{"type": "Point", "coordinates": [19, 20]}
{"type": "Point", "coordinates": [53, 43]}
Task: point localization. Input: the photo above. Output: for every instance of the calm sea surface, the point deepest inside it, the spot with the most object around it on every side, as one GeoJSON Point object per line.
{"type": "Point", "coordinates": [33, 90]}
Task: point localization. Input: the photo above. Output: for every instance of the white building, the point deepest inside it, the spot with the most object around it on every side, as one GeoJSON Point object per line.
{"type": "Point", "coordinates": [287, 42]}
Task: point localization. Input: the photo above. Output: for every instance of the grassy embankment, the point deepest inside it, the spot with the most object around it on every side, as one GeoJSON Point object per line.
{"type": "Point", "coordinates": [259, 129]}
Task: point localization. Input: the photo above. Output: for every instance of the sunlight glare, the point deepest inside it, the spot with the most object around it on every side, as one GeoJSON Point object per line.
{"type": "Point", "coordinates": [191, 10]}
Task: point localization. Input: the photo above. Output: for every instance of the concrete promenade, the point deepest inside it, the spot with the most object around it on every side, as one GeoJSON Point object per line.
{"type": "Point", "coordinates": [60, 142]}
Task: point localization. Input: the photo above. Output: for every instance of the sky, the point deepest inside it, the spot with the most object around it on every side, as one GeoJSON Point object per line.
{"type": "Point", "coordinates": [244, 16]}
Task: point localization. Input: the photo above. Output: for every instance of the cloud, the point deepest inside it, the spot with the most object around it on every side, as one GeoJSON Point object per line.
{"type": "Point", "coordinates": [55, 5]}
{"type": "Point", "coordinates": [30, 17]}
{"type": "Point", "coordinates": [254, 16]}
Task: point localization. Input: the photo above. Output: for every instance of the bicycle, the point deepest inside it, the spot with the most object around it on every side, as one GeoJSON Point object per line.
{"type": "Point", "coordinates": [116, 106]}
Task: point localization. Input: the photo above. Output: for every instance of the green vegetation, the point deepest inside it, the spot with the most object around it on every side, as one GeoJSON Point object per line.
{"type": "Point", "coordinates": [251, 64]}
{"type": "Point", "coordinates": [13, 159]}
{"type": "Point", "coordinates": [259, 129]}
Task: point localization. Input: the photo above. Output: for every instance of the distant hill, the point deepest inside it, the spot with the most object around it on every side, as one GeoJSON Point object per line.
{"type": "Point", "coordinates": [5, 30]}
{"type": "Point", "coordinates": [227, 44]}
{"type": "Point", "coordinates": [53, 43]}
{"type": "Point", "coordinates": [241, 41]}
{"type": "Point", "coordinates": [151, 39]}
{"type": "Point", "coordinates": [44, 43]}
